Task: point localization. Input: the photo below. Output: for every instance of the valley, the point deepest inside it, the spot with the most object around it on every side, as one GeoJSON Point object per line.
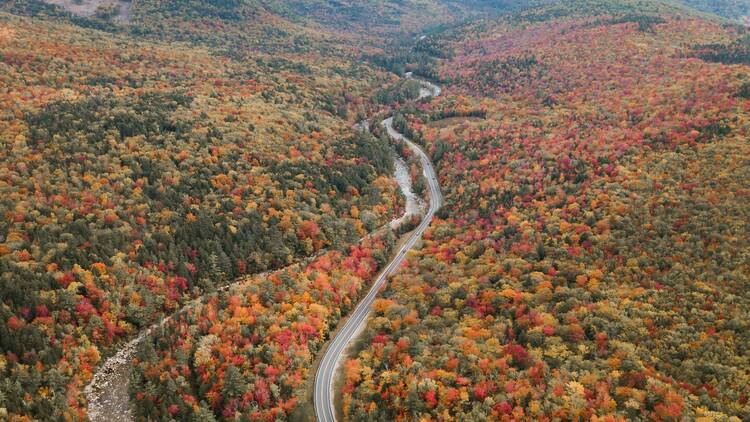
{"type": "Point", "coordinates": [325, 379]}
{"type": "Point", "coordinates": [412, 210]}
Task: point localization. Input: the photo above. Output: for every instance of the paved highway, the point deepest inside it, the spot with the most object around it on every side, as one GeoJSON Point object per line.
{"type": "Point", "coordinates": [326, 375]}
{"type": "Point", "coordinates": [108, 391]}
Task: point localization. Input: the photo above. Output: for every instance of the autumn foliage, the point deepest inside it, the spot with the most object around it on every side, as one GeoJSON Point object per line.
{"type": "Point", "coordinates": [136, 176]}
{"type": "Point", "coordinates": [247, 352]}
{"type": "Point", "coordinates": [591, 261]}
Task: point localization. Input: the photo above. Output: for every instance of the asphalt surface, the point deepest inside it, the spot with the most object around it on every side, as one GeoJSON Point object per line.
{"type": "Point", "coordinates": [107, 393]}
{"type": "Point", "coordinates": [325, 378]}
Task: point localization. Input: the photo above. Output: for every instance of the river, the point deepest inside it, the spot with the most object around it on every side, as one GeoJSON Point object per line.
{"type": "Point", "coordinates": [107, 393]}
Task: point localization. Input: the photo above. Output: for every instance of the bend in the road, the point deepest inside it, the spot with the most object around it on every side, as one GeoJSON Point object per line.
{"type": "Point", "coordinates": [107, 393]}
{"type": "Point", "coordinates": [325, 377]}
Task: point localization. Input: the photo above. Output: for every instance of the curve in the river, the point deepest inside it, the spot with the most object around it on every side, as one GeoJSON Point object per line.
{"type": "Point", "coordinates": [325, 378]}
{"type": "Point", "coordinates": [107, 393]}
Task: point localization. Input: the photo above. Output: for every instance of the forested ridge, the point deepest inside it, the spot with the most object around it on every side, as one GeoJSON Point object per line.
{"type": "Point", "coordinates": [591, 260]}
{"type": "Point", "coordinates": [248, 352]}
{"type": "Point", "coordinates": [137, 176]}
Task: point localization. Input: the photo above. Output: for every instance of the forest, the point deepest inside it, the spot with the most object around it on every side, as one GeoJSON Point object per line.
{"type": "Point", "coordinates": [591, 262]}
{"type": "Point", "coordinates": [248, 352]}
{"type": "Point", "coordinates": [137, 176]}
{"type": "Point", "coordinates": [199, 162]}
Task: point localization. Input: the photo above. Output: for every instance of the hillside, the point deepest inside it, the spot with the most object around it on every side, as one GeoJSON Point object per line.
{"type": "Point", "coordinates": [592, 257]}
{"type": "Point", "coordinates": [590, 261]}
{"type": "Point", "coordinates": [156, 155]}
{"type": "Point", "coordinates": [138, 175]}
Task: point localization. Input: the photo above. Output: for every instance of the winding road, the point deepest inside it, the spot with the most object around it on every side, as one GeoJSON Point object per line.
{"type": "Point", "coordinates": [107, 393]}
{"type": "Point", "coordinates": [325, 378]}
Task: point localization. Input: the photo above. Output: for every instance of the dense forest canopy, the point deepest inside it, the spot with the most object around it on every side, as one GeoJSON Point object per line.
{"type": "Point", "coordinates": [139, 175]}
{"type": "Point", "coordinates": [571, 276]}
{"type": "Point", "coordinates": [591, 260]}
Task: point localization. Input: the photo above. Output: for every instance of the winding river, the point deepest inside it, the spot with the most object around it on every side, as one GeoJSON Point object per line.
{"type": "Point", "coordinates": [107, 393]}
{"type": "Point", "coordinates": [325, 377]}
